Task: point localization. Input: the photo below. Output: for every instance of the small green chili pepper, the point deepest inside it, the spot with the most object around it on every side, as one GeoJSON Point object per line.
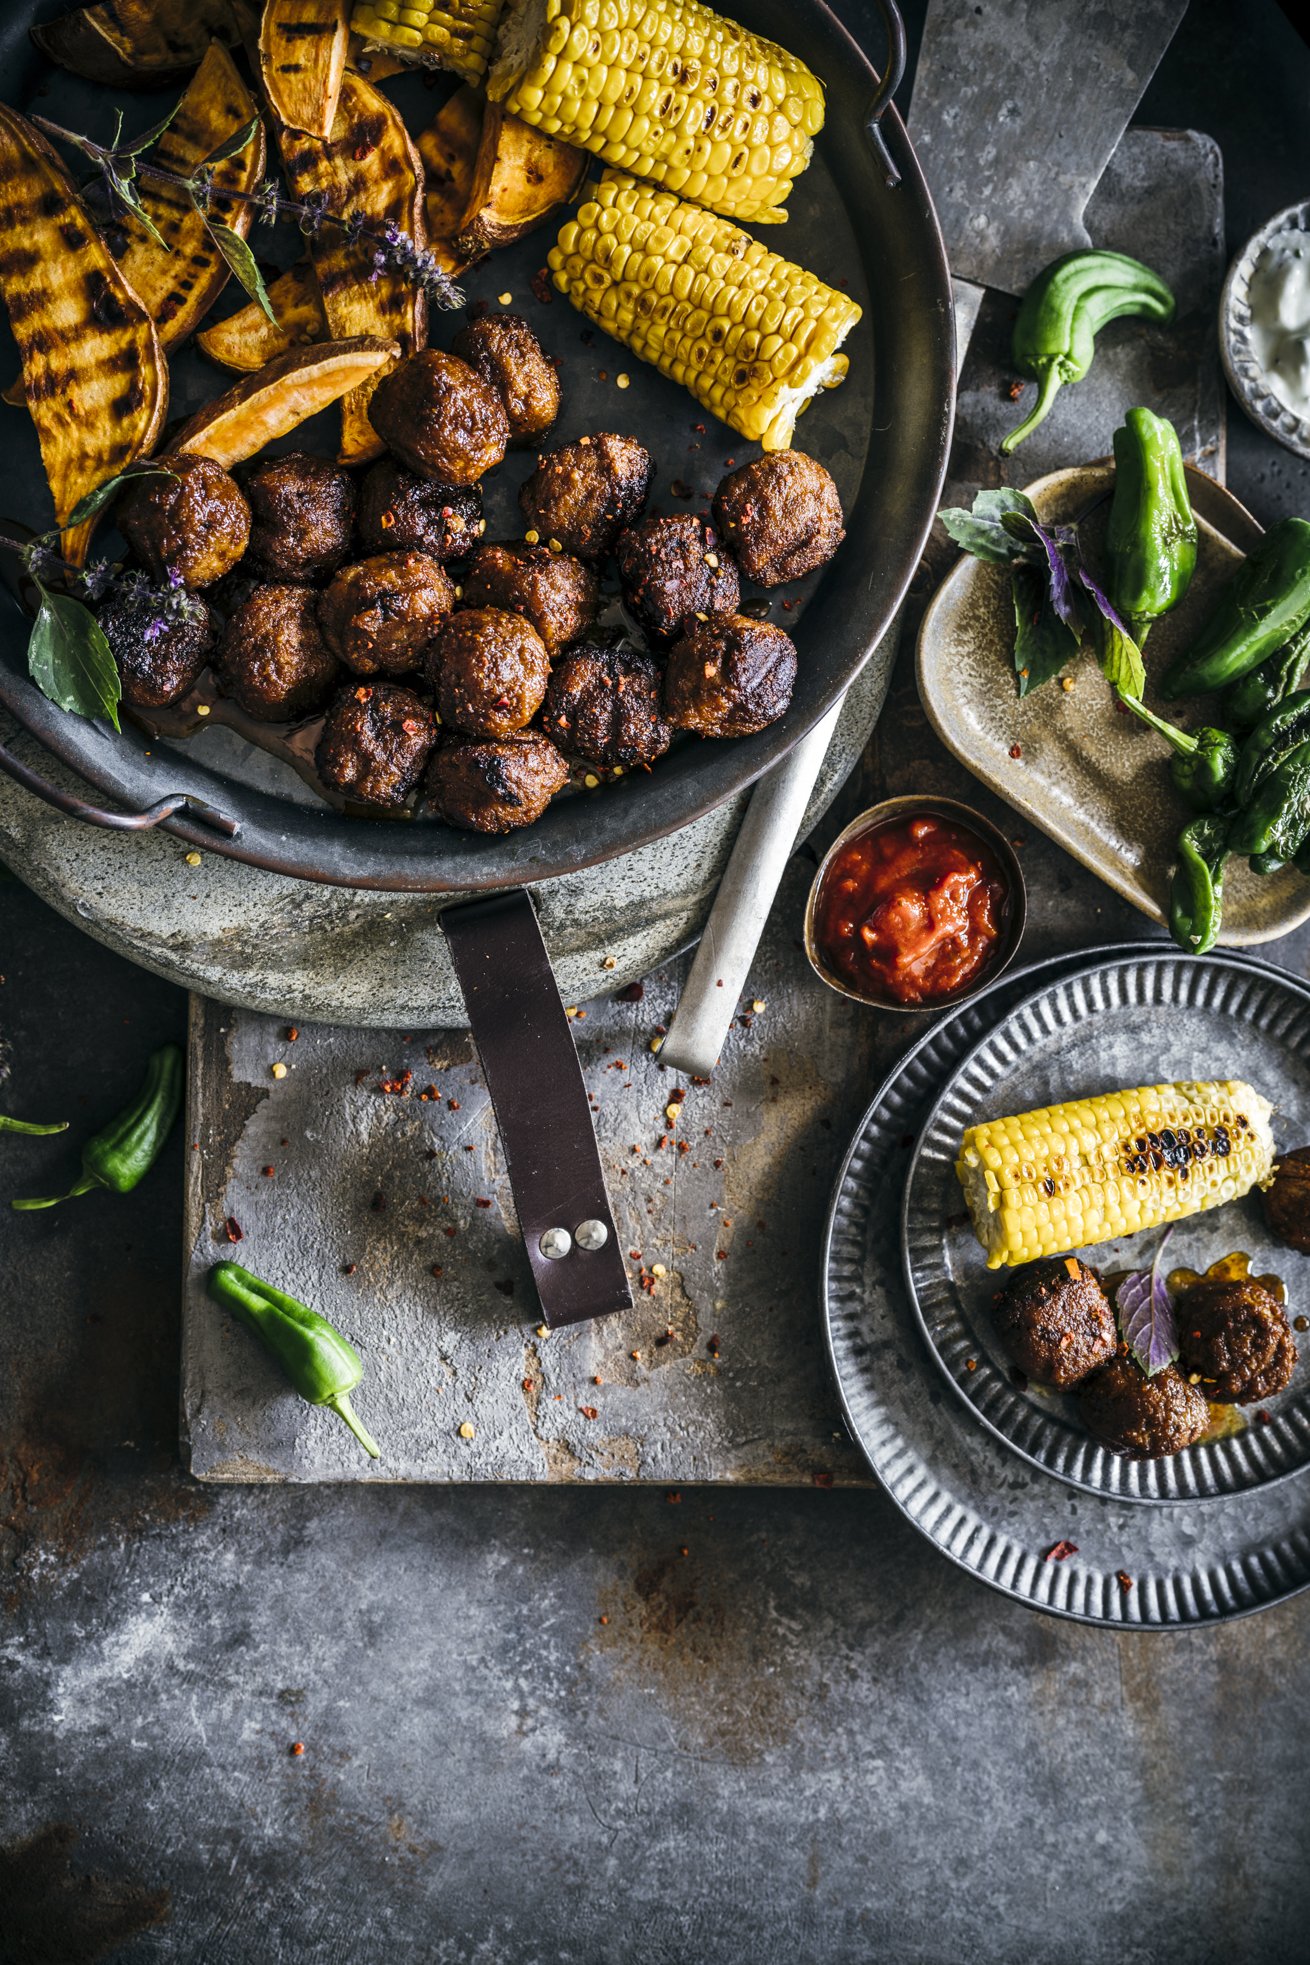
{"type": "Point", "coordinates": [125, 1151]}
{"type": "Point", "coordinates": [1205, 760]}
{"type": "Point", "coordinates": [1260, 690]}
{"type": "Point", "coordinates": [1265, 603]}
{"type": "Point", "coordinates": [1278, 818]}
{"type": "Point", "coordinates": [1196, 897]}
{"type": "Point", "coordinates": [1266, 863]}
{"type": "Point", "coordinates": [1063, 311]}
{"type": "Point", "coordinates": [1151, 536]}
{"type": "Point", "coordinates": [322, 1366]}
{"type": "Point", "coordinates": [1284, 729]}
{"type": "Point", "coordinates": [8, 1125]}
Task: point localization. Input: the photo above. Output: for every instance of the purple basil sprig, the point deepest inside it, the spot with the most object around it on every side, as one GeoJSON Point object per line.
{"type": "Point", "coordinates": [1146, 1315]}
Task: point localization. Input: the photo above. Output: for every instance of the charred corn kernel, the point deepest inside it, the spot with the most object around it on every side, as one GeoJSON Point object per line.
{"type": "Point", "coordinates": [667, 89]}
{"type": "Point", "coordinates": [459, 36]}
{"type": "Point", "coordinates": [1097, 1169]}
{"type": "Point", "coordinates": [687, 291]}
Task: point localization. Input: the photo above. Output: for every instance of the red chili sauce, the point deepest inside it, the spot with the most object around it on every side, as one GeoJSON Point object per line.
{"type": "Point", "coordinates": [913, 910]}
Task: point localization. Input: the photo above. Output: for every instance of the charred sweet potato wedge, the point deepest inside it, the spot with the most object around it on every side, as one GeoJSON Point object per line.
{"type": "Point", "coordinates": [285, 392]}
{"type": "Point", "coordinates": [143, 44]}
{"type": "Point", "coordinates": [520, 178]}
{"type": "Point", "coordinates": [302, 58]}
{"type": "Point", "coordinates": [449, 149]}
{"type": "Point", "coordinates": [94, 375]}
{"type": "Point", "coordinates": [368, 165]}
{"type": "Point", "coordinates": [248, 339]}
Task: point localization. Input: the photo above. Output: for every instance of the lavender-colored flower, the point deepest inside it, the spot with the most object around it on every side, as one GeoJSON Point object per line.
{"type": "Point", "coordinates": [42, 561]}
{"type": "Point", "coordinates": [311, 212]}
{"type": "Point", "coordinates": [266, 202]}
{"type": "Point", "coordinates": [404, 256]}
{"type": "Point", "coordinates": [202, 187]}
{"type": "Point", "coordinates": [98, 578]}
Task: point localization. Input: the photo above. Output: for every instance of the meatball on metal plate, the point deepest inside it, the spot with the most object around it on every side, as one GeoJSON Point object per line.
{"type": "Point", "coordinates": [380, 615]}
{"type": "Point", "coordinates": [377, 738]}
{"type": "Point", "coordinates": [584, 494]}
{"type": "Point", "coordinates": [555, 592]}
{"type": "Point", "coordinates": [1287, 1201]}
{"type": "Point", "coordinates": [674, 573]}
{"type": "Point", "coordinates": [1235, 1338]}
{"type": "Point", "coordinates": [440, 418]}
{"type": "Point", "coordinates": [1055, 1321]}
{"type": "Point", "coordinates": [1145, 1418]}
{"type": "Point", "coordinates": [504, 351]}
{"type": "Point", "coordinates": [194, 523]}
{"type": "Point", "coordinates": [400, 512]}
{"type": "Point", "coordinates": [603, 705]}
{"type": "Point", "coordinates": [494, 785]}
{"type": "Point", "coordinates": [158, 649]}
{"type": "Point", "coordinates": [272, 660]}
{"type": "Point", "coordinates": [303, 512]}
{"type": "Point", "coordinates": [489, 672]}
{"type": "Point", "coordinates": [781, 516]}
{"type": "Point", "coordinates": [729, 677]}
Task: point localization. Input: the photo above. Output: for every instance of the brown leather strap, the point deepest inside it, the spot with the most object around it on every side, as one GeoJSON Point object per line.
{"type": "Point", "coordinates": [540, 1101]}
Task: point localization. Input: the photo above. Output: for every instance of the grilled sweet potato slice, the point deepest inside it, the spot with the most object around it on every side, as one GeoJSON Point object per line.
{"type": "Point", "coordinates": [521, 177]}
{"type": "Point", "coordinates": [94, 376]}
{"type": "Point", "coordinates": [285, 392]}
{"type": "Point", "coordinates": [449, 149]}
{"type": "Point", "coordinates": [302, 57]}
{"type": "Point", "coordinates": [369, 166]}
{"type": "Point", "coordinates": [142, 44]}
{"type": "Point", "coordinates": [248, 339]}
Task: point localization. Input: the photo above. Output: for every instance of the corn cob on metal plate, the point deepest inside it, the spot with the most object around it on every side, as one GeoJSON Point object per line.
{"type": "Point", "coordinates": [1161, 1015]}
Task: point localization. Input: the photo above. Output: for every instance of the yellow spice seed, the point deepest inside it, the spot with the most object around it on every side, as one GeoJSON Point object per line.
{"type": "Point", "coordinates": [554, 546]}
{"type": "Point", "coordinates": [466, 1430]}
{"type": "Point", "coordinates": [1066, 683]}
{"type": "Point", "coordinates": [622, 381]}
{"type": "Point", "coordinates": [202, 709]}
{"type": "Point", "coordinates": [193, 859]}
{"type": "Point", "coordinates": [610, 962]}
{"type": "Point", "coordinates": [279, 1070]}
{"type": "Point", "coordinates": [503, 299]}
{"type": "Point", "coordinates": [532, 536]}
{"type": "Point", "coordinates": [543, 1330]}
{"type": "Point", "coordinates": [658, 1269]}
{"type": "Point", "coordinates": [656, 1043]}
{"type": "Point", "coordinates": [591, 781]}
{"type": "Point", "coordinates": [758, 1005]}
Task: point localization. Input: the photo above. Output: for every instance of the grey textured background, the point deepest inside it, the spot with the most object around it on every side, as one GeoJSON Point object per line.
{"type": "Point", "coordinates": [808, 1737]}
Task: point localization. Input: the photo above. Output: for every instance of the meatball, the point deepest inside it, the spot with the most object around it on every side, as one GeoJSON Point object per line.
{"type": "Point", "coordinates": [674, 575]}
{"type": "Point", "coordinates": [1143, 1417]}
{"type": "Point", "coordinates": [376, 739]}
{"type": "Point", "coordinates": [272, 660]}
{"type": "Point", "coordinates": [781, 516]}
{"type": "Point", "coordinates": [379, 616]}
{"type": "Point", "coordinates": [159, 649]}
{"type": "Point", "coordinates": [558, 594]}
{"type": "Point", "coordinates": [403, 513]}
{"type": "Point", "coordinates": [495, 785]}
{"type": "Point", "coordinates": [505, 352]}
{"type": "Point", "coordinates": [1235, 1338]}
{"type": "Point", "coordinates": [194, 524]}
{"type": "Point", "coordinates": [303, 510]}
{"type": "Point", "coordinates": [603, 704]}
{"type": "Point", "coordinates": [585, 493]}
{"type": "Point", "coordinates": [489, 672]}
{"type": "Point", "coordinates": [729, 677]}
{"type": "Point", "coordinates": [439, 418]}
{"type": "Point", "coordinates": [1055, 1321]}
{"type": "Point", "coordinates": [1287, 1202]}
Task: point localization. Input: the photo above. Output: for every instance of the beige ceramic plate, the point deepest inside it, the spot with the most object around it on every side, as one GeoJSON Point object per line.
{"type": "Point", "coordinates": [1091, 776]}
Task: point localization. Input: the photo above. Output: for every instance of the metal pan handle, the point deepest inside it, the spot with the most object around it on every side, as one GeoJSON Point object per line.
{"type": "Point", "coordinates": [892, 76]}
{"type": "Point", "coordinates": [99, 815]}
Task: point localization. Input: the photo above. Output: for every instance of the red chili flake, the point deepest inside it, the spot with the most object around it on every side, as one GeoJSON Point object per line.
{"type": "Point", "coordinates": [297, 1748]}
{"type": "Point", "coordinates": [453, 1103]}
{"type": "Point", "coordinates": [634, 1255]}
{"type": "Point", "coordinates": [717, 1163]}
{"type": "Point", "coordinates": [1016, 750]}
{"type": "Point", "coordinates": [673, 1496]}
{"type": "Point", "coordinates": [1263, 1418]}
{"type": "Point", "coordinates": [527, 1385]}
{"type": "Point", "coordinates": [632, 994]}
{"type": "Point", "coordinates": [541, 288]}
{"type": "Point", "coordinates": [1060, 1551]}
{"type": "Point", "coordinates": [720, 1255]}
{"type": "Point", "coordinates": [684, 1550]}
{"type": "Point", "coordinates": [822, 1480]}
{"type": "Point", "coordinates": [451, 1231]}
{"type": "Point", "coordinates": [349, 1268]}
{"type": "Point", "coordinates": [437, 1269]}
{"type": "Point", "coordinates": [233, 1230]}
{"type": "Point", "coordinates": [480, 1203]}
{"type": "Point", "coordinates": [713, 1345]}
{"type": "Point", "coordinates": [1124, 1580]}
{"type": "Point", "coordinates": [589, 1412]}
{"type": "Point", "coordinates": [292, 1034]}
{"type": "Point", "coordinates": [268, 1172]}
{"type": "Point", "coordinates": [379, 1202]}
{"type": "Point", "coordinates": [597, 1379]}
{"type": "Point", "coordinates": [604, 1620]}
{"type": "Point", "coordinates": [971, 1364]}
{"type": "Point", "coordinates": [1014, 391]}
{"type": "Point", "coordinates": [409, 725]}
{"type": "Point", "coordinates": [397, 1087]}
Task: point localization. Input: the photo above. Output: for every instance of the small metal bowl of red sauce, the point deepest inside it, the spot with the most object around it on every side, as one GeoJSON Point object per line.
{"type": "Point", "coordinates": [916, 905]}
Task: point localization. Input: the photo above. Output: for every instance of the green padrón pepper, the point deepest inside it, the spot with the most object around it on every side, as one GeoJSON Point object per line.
{"type": "Point", "coordinates": [1150, 540]}
{"type": "Point", "coordinates": [1284, 729]}
{"type": "Point", "coordinates": [1063, 311]}
{"type": "Point", "coordinates": [1204, 763]}
{"type": "Point", "coordinates": [1196, 898]}
{"type": "Point", "coordinates": [1253, 695]}
{"type": "Point", "coordinates": [8, 1125]}
{"type": "Point", "coordinates": [1265, 603]}
{"type": "Point", "coordinates": [1277, 820]}
{"type": "Point", "coordinates": [322, 1366]}
{"type": "Point", "coordinates": [127, 1149]}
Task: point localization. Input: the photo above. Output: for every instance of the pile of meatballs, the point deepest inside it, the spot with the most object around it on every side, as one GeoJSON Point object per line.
{"type": "Point", "coordinates": [441, 663]}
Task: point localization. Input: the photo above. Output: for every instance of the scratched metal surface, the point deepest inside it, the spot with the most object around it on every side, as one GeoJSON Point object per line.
{"type": "Point", "coordinates": [808, 1737]}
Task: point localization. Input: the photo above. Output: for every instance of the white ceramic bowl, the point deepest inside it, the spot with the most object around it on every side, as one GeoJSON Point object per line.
{"type": "Point", "coordinates": [1246, 377]}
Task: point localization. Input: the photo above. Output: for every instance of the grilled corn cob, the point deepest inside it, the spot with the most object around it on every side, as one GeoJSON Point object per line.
{"type": "Point", "coordinates": [1096, 1169]}
{"type": "Point", "coordinates": [667, 89]}
{"type": "Point", "coordinates": [458, 36]}
{"type": "Point", "coordinates": [752, 336]}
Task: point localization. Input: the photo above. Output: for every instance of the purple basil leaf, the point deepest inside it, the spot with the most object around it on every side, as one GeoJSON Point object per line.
{"type": "Point", "coordinates": [1041, 641]}
{"type": "Point", "coordinates": [1058, 545]}
{"type": "Point", "coordinates": [1146, 1316]}
{"type": "Point", "coordinates": [1120, 657]}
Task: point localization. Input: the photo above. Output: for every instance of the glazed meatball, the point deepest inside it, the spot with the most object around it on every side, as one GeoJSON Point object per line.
{"type": "Point", "coordinates": [159, 648]}
{"type": "Point", "coordinates": [495, 785]}
{"type": "Point", "coordinates": [439, 418]}
{"type": "Point", "coordinates": [303, 511]}
{"type": "Point", "coordinates": [781, 516]}
{"type": "Point", "coordinates": [674, 575]}
{"type": "Point", "coordinates": [403, 513]}
{"type": "Point", "coordinates": [379, 616]}
{"type": "Point", "coordinates": [585, 493]}
{"type": "Point", "coordinates": [1146, 1418]}
{"type": "Point", "coordinates": [603, 704]}
{"type": "Point", "coordinates": [1055, 1321]}
{"type": "Point", "coordinates": [729, 677]}
{"type": "Point", "coordinates": [377, 737]}
{"type": "Point", "coordinates": [1235, 1338]}
{"type": "Point", "coordinates": [489, 672]}
{"type": "Point", "coordinates": [194, 524]}
{"type": "Point", "coordinates": [1287, 1202]}
{"type": "Point", "coordinates": [505, 352]}
{"type": "Point", "coordinates": [558, 594]}
{"type": "Point", "coordinates": [272, 660]}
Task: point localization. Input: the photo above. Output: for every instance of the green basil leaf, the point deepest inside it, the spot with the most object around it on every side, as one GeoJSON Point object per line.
{"type": "Point", "coordinates": [95, 501]}
{"type": "Point", "coordinates": [242, 262]}
{"type": "Point", "coordinates": [980, 530]}
{"type": "Point", "coordinates": [140, 143]}
{"type": "Point", "coordinates": [126, 191]}
{"type": "Point", "coordinates": [1042, 642]}
{"type": "Point", "coordinates": [234, 144]}
{"type": "Point", "coordinates": [70, 661]}
{"type": "Point", "coordinates": [1121, 660]}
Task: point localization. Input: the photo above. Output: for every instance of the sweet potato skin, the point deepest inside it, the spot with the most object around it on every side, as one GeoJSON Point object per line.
{"type": "Point", "coordinates": [302, 57]}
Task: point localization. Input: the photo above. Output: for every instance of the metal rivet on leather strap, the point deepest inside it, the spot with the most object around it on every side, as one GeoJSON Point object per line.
{"type": "Point", "coordinates": [591, 1235]}
{"type": "Point", "coordinates": [556, 1243]}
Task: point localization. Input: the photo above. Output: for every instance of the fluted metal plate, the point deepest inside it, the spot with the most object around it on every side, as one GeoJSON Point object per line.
{"type": "Point", "coordinates": [988, 1509]}
{"type": "Point", "coordinates": [1144, 1020]}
